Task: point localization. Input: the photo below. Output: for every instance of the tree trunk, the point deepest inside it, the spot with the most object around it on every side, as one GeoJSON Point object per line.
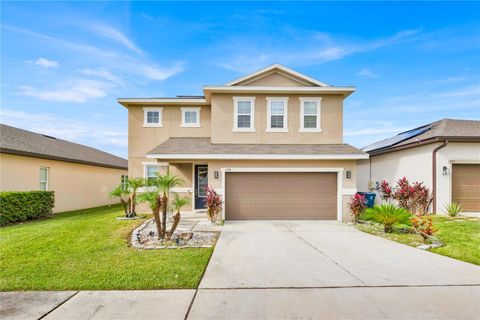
{"type": "Point", "coordinates": [164, 215]}
{"type": "Point", "coordinates": [176, 220]}
{"type": "Point", "coordinates": [125, 206]}
{"type": "Point", "coordinates": [158, 222]}
{"type": "Point", "coordinates": [133, 213]}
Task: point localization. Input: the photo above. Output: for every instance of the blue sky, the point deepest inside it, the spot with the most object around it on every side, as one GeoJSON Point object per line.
{"type": "Point", "coordinates": [63, 64]}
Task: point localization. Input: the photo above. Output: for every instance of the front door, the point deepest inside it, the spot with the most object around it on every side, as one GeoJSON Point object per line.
{"type": "Point", "coordinates": [201, 183]}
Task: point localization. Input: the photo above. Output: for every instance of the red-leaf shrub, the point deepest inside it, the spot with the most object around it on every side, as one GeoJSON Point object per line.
{"type": "Point", "coordinates": [386, 191]}
{"type": "Point", "coordinates": [214, 204]}
{"type": "Point", "coordinates": [358, 203]}
{"type": "Point", "coordinates": [415, 198]}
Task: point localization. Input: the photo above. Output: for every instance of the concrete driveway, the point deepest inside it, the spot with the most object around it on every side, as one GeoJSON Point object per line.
{"type": "Point", "coordinates": [317, 269]}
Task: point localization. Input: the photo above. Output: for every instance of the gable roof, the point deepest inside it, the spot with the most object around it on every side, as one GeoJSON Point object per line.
{"type": "Point", "coordinates": [26, 143]}
{"type": "Point", "coordinates": [445, 129]}
{"type": "Point", "coordinates": [308, 81]}
{"type": "Point", "coordinates": [202, 148]}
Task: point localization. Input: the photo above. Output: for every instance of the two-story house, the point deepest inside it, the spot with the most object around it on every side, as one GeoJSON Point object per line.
{"type": "Point", "coordinates": [271, 143]}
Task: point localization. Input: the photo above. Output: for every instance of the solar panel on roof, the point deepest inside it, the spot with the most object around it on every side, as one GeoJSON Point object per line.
{"type": "Point", "coordinates": [397, 139]}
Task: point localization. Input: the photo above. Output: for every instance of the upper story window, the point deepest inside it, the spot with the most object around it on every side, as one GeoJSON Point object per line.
{"type": "Point", "coordinates": [44, 177]}
{"type": "Point", "coordinates": [244, 114]}
{"type": "Point", "coordinates": [191, 117]}
{"type": "Point", "coordinates": [152, 117]}
{"type": "Point", "coordinates": [277, 114]}
{"type": "Point", "coordinates": [310, 114]}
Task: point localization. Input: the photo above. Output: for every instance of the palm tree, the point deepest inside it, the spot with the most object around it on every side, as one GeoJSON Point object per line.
{"type": "Point", "coordinates": [178, 203]}
{"type": "Point", "coordinates": [154, 202]}
{"type": "Point", "coordinates": [133, 185]}
{"type": "Point", "coordinates": [119, 192]}
{"type": "Point", "coordinates": [165, 183]}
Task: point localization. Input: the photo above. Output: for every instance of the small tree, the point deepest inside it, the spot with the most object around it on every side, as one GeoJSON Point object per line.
{"type": "Point", "coordinates": [421, 199]}
{"type": "Point", "coordinates": [178, 203]}
{"type": "Point", "coordinates": [358, 203]}
{"type": "Point", "coordinates": [404, 193]}
{"type": "Point", "coordinates": [120, 192]}
{"type": "Point", "coordinates": [165, 183]}
{"type": "Point", "coordinates": [154, 201]}
{"type": "Point", "coordinates": [214, 204]}
{"type": "Point", "coordinates": [133, 185]}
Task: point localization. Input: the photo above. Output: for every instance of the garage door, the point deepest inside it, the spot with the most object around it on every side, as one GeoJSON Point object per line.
{"type": "Point", "coordinates": [273, 195]}
{"type": "Point", "coordinates": [466, 186]}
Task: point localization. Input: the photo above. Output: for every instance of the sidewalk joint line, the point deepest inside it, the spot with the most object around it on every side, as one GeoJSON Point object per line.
{"type": "Point", "coordinates": [59, 305]}
{"type": "Point", "coordinates": [347, 287]}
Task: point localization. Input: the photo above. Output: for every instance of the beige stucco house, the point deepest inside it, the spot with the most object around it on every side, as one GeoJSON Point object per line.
{"type": "Point", "coordinates": [445, 155]}
{"type": "Point", "coordinates": [271, 143]}
{"type": "Point", "coordinates": [81, 176]}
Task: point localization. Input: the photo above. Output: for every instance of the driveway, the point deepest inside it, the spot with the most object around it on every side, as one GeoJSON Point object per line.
{"type": "Point", "coordinates": [318, 269]}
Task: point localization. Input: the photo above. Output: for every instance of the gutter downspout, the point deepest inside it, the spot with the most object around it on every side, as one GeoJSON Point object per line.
{"type": "Point", "coordinates": [434, 174]}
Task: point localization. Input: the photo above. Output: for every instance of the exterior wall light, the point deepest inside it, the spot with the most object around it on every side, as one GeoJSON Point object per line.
{"type": "Point", "coordinates": [349, 174]}
{"type": "Point", "coordinates": [445, 171]}
{"type": "Point", "coordinates": [215, 174]}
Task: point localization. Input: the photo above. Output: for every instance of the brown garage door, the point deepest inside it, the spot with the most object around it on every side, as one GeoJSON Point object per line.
{"type": "Point", "coordinates": [466, 186]}
{"type": "Point", "coordinates": [273, 195]}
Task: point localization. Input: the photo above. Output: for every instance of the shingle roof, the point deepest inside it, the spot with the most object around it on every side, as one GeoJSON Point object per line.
{"type": "Point", "coordinates": [457, 130]}
{"type": "Point", "coordinates": [23, 142]}
{"type": "Point", "coordinates": [203, 146]}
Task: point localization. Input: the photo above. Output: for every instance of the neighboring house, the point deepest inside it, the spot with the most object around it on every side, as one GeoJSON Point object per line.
{"type": "Point", "coordinates": [81, 176]}
{"type": "Point", "coordinates": [445, 155]}
{"type": "Point", "coordinates": [271, 143]}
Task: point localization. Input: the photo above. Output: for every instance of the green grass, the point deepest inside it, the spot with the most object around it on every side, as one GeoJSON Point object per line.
{"type": "Point", "coordinates": [88, 250]}
{"type": "Point", "coordinates": [460, 236]}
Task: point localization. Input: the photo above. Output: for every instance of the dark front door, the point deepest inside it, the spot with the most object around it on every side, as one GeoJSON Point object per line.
{"type": "Point", "coordinates": [201, 183]}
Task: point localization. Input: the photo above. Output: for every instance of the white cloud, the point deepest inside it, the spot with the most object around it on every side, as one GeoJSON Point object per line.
{"type": "Point", "coordinates": [76, 91]}
{"type": "Point", "coordinates": [115, 35]}
{"type": "Point", "coordinates": [154, 72]}
{"type": "Point", "coordinates": [43, 62]}
{"type": "Point", "coordinates": [101, 73]}
{"type": "Point", "coordinates": [314, 47]}
{"type": "Point", "coordinates": [367, 73]}
{"type": "Point", "coordinates": [111, 139]}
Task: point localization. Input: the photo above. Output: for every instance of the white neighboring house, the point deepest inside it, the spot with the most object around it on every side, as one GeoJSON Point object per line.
{"type": "Point", "coordinates": [445, 155]}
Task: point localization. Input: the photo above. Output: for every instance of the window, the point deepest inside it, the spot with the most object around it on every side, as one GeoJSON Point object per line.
{"type": "Point", "coordinates": [310, 115]}
{"type": "Point", "coordinates": [152, 117]}
{"type": "Point", "coordinates": [124, 182]}
{"type": "Point", "coordinates": [151, 171]}
{"type": "Point", "coordinates": [277, 120]}
{"type": "Point", "coordinates": [244, 114]}
{"type": "Point", "coordinates": [191, 117]}
{"type": "Point", "coordinates": [44, 173]}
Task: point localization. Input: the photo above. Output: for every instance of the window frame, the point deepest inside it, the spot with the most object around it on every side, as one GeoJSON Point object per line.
{"type": "Point", "coordinates": [150, 164]}
{"type": "Point", "coordinates": [47, 182]}
{"type": "Point", "coordinates": [190, 125]}
{"type": "Point", "coordinates": [124, 182]}
{"type": "Point", "coordinates": [269, 114]}
{"type": "Point", "coordinates": [236, 100]}
{"type": "Point", "coordinates": [318, 101]}
{"type": "Point", "coordinates": [160, 117]}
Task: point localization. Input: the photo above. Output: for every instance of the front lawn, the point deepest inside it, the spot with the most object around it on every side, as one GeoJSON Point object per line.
{"type": "Point", "coordinates": [88, 250]}
{"type": "Point", "coordinates": [460, 236]}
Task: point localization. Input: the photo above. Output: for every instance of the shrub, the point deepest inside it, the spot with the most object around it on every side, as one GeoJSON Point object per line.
{"type": "Point", "coordinates": [388, 215]}
{"type": "Point", "coordinates": [415, 198]}
{"type": "Point", "coordinates": [214, 204]}
{"type": "Point", "coordinates": [385, 190]}
{"type": "Point", "coordinates": [453, 209]}
{"type": "Point", "coordinates": [423, 226]}
{"type": "Point", "coordinates": [358, 203]}
{"type": "Point", "coordinates": [19, 206]}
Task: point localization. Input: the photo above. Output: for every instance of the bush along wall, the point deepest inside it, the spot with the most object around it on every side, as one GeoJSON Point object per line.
{"type": "Point", "coordinates": [16, 206]}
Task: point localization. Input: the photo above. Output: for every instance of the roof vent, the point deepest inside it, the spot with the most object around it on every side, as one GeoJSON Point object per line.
{"type": "Point", "coordinates": [49, 137]}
